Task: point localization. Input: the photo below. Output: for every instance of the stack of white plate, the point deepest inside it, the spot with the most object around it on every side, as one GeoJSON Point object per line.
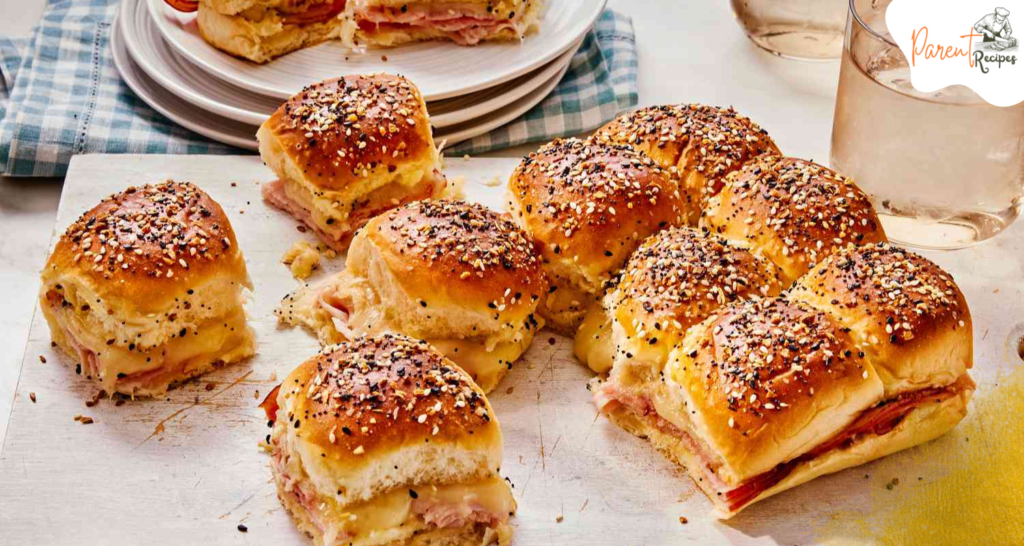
{"type": "Point", "coordinates": [469, 90]}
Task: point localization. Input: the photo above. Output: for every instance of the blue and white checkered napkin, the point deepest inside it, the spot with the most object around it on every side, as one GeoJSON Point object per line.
{"type": "Point", "coordinates": [60, 95]}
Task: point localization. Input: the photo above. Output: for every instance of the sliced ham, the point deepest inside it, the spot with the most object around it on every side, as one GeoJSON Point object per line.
{"type": "Point", "coordinates": [317, 13]}
{"type": "Point", "coordinates": [273, 193]}
{"type": "Point", "coordinates": [330, 302]}
{"type": "Point", "coordinates": [466, 24]}
{"type": "Point", "coordinates": [86, 357]}
{"type": "Point", "coordinates": [878, 420]}
{"type": "Point", "coordinates": [420, 12]}
{"type": "Point", "coordinates": [454, 515]}
{"type": "Point", "coordinates": [378, 202]}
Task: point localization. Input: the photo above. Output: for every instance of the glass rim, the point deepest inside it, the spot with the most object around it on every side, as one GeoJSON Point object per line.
{"type": "Point", "coordinates": [865, 26]}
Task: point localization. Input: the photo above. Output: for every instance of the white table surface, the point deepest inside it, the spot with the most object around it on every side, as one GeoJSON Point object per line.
{"type": "Point", "coordinates": [689, 52]}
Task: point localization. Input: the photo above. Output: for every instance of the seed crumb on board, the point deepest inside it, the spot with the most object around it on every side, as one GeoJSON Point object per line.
{"type": "Point", "coordinates": [509, 390]}
{"type": "Point", "coordinates": [85, 420]}
{"type": "Point", "coordinates": [683, 520]}
{"type": "Point", "coordinates": [256, 394]}
{"type": "Point", "coordinates": [559, 519]}
{"type": "Point", "coordinates": [95, 398]}
{"type": "Point", "coordinates": [42, 359]}
{"type": "Point", "coordinates": [209, 387]}
{"type": "Point", "coordinates": [242, 528]}
{"type": "Point", "coordinates": [32, 397]}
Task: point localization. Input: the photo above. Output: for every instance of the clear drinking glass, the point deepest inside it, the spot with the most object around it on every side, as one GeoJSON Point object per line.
{"type": "Point", "coordinates": [798, 29]}
{"type": "Point", "coordinates": [944, 170]}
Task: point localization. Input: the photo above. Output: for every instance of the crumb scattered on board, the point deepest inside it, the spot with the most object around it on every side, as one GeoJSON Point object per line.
{"type": "Point", "coordinates": [85, 420]}
{"type": "Point", "coordinates": [95, 398]}
{"type": "Point", "coordinates": [455, 188]}
{"type": "Point", "coordinates": [32, 397]}
{"type": "Point", "coordinates": [302, 258]}
{"type": "Point", "coordinates": [42, 359]}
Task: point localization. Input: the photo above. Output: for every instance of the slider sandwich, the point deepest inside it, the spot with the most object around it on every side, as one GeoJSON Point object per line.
{"type": "Point", "coordinates": [348, 149]}
{"type": "Point", "coordinates": [458, 275]}
{"type": "Point", "coordinates": [676, 279]}
{"type": "Point", "coordinates": [867, 355]}
{"type": "Point", "coordinates": [395, 22]}
{"type": "Point", "coordinates": [147, 290]}
{"type": "Point", "coordinates": [261, 30]}
{"type": "Point", "coordinates": [794, 212]}
{"type": "Point", "coordinates": [383, 441]}
{"type": "Point", "coordinates": [702, 144]}
{"type": "Point", "coordinates": [588, 205]}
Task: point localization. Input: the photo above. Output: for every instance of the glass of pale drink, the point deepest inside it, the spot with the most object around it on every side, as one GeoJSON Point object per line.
{"type": "Point", "coordinates": [798, 29]}
{"type": "Point", "coordinates": [944, 169]}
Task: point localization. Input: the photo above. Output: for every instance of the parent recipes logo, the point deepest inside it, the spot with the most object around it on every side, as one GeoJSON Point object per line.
{"type": "Point", "coordinates": [950, 42]}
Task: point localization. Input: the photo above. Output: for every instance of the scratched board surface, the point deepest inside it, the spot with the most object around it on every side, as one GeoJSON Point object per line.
{"type": "Point", "coordinates": [187, 468]}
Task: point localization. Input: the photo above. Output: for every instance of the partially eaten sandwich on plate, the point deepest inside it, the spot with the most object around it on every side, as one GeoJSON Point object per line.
{"type": "Point", "coordinates": [261, 30]}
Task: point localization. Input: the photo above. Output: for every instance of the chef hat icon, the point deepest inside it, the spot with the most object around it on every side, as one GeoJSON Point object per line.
{"type": "Point", "coordinates": [1002, 12]}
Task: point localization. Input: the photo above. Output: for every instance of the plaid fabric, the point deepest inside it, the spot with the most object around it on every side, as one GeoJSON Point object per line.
{"type": "Point", "coordinates": [68, 99]}
{"type": "Point", "coordinates": [60, 95]}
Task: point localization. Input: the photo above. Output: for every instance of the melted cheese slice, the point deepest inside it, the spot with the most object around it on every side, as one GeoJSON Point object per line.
{"type": "Point", "coordinates": [210, 337]}
{"type": "Point", "coordinates": [593, 344]}
{"type": "Point", "coordinates": [331, 209]}
{"type": "Point", "coordinates": [391, 516]}
{"type": "Point", "coordinates": [486, 367]}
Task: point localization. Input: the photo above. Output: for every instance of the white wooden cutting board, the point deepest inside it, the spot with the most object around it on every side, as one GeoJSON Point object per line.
{"type": "Point", "coordinates": [186, 469]}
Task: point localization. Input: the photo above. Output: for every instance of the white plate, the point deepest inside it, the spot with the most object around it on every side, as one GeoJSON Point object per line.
{"type": "Point", "coordinates": [448, 112]}
{"type": "Point", "coordinates": [173, 72]}
{"type": "Point", "coordinates": [177, 110]}
{"type": "Point", "coordinates": [243, 135]}
{"type": "Point", "coordinates": [440, 69]}
{"type": "Point", "coordinates": [498, 118]}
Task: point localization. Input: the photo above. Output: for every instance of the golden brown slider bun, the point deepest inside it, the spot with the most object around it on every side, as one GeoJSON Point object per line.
{"type": "Point", "coordinates": [762, 381]}
{"type": "Point", "coordinates": [348, 149]}
{"type": "Point", "coordinates": [676, 279]}
{"type": "Point", "coordinates": [589, 205]}
{"type": "Point", "coordinates": [146, 289]}
{"type": "Point", "coordinates": [456, 274]}
{"type": "Point", "coordinates": [260, 30]}
{"type": "Point", "coordinates": [905, 312]}
{"type": "Point", "coordinates": [703, 143]}
{"type": "Point", "coordinates": [796, 213]}
{"type": "Point", "coordinates": [388, 430]}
